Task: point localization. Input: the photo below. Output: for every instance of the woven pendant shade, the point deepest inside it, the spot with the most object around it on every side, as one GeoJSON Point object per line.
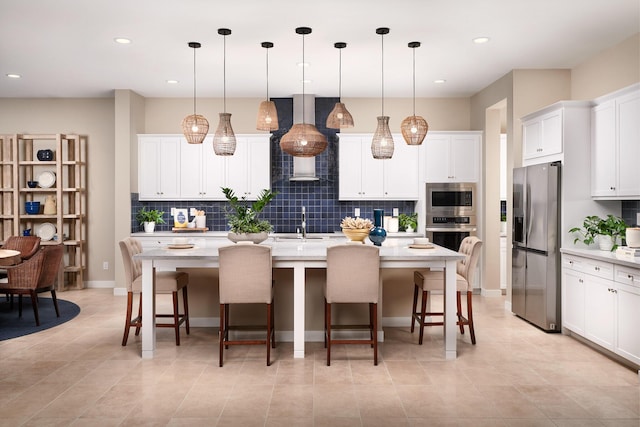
{"type": "Point", "coordinates": [195, 128]}
{"type": "Point", "coordinates": [382, 145]}
{"type": "Point", "coordinates": [414, 129]}
{"type": "Point", "coordinates": [224, 140]}
{"type": "Point", "coordinates": [339, 117]}
{"type": "Point", "coordinates": [267, 113]}
{"type": "Point", "coordinates": [267, 116]}
{"type": "Point", "coordinates": [303, 140]}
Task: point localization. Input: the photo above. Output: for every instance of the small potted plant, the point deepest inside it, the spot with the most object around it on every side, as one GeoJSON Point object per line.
{"type": "Point", "coordinates": [608, 231]}
{"type": "Point", "coordinates": [244, 222]}
{"type": "Point", "coordinates": [149, 218]}
{"type": "Point", "coordinates": [408, 222]}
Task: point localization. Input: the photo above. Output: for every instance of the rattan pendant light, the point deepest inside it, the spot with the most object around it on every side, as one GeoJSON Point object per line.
{"type": "Point", "coordinates": [382, 144]}
{"type": "Point", "coordinates": [224, 140]}
{"type": "Point", "coordinates": [339, 117]}
{"type": "Point", "coordinates": [414, 128]}
{"type": "Point", "coordinates": [303, 139]}
{"type": "Point", "coordinates": [195, 126]}
{"type": "Point", "coordinates": [267, 113]}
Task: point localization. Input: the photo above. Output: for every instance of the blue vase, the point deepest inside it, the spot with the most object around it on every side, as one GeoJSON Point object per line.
{"type": "Point", "coordinates": [377, 234]}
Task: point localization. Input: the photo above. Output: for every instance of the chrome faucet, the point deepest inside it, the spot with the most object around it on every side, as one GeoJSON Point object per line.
{"type": "Point", "coordinates": [304, 223]}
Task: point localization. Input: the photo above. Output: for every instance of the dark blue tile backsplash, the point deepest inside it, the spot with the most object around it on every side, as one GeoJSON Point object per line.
{"type": "Point", "coordinates": [630, 208]}
{"type": "Point", "coordinates": [323, 209]}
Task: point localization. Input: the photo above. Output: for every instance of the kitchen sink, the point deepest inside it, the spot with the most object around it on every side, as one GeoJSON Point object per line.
{"type": "Point", "coordinates": [282, 237]}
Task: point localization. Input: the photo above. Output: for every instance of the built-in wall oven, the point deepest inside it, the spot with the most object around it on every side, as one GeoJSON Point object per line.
{"type": "Point", "coordinates": [451, 213]}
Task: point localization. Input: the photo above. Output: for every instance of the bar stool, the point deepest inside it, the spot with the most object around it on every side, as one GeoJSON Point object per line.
{"type": "Point", "coordinates": [353, 276]}
{"type": "Point", "coordinates": [246, 277]}
{"type": "Point", "coordinates": [166, 282]}
{"type": "Point", "coordinates": [429, 280]}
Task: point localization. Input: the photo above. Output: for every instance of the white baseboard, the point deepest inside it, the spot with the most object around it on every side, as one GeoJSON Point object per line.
{"type": "Point", "coordinates": [491, 292]}
{"type": "Point", "coordinates": [103, 284]}
{"type": "Point", "coordinates": [120, 292]}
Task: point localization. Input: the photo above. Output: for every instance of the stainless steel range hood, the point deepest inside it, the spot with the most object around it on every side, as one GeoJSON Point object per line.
{"type": "Point", "coordinates": [304, 168]}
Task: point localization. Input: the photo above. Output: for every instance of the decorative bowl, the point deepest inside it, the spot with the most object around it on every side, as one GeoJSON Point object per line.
{"type": "Point", "coordinates": [356, 234]}
{"type": "Point", "coordinates": [32, 208]}
{"type": "Point", "coordinates": [32, 184]}
{"type": "Point", "coordinates": [248, 237]}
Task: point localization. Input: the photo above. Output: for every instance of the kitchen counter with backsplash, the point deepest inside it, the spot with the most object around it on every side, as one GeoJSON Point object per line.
{"type": "Point", "coordinates": [602, 256]}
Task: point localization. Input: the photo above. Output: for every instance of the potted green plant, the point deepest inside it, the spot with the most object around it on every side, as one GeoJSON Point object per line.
{"type": "Point", "coordinates": [408, 222]}
{"type": "Point", "coordinates": [608, 231]}
{"type": "Point", "coordinates": [149, 218]}
{"type": "Point", "coordinates": [244, 217]}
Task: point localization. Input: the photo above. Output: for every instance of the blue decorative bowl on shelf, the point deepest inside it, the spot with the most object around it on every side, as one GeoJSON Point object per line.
{"type": "Point", "coordinates": [32, 184]}
{"type": "Point", "coordinates": [32, 208]}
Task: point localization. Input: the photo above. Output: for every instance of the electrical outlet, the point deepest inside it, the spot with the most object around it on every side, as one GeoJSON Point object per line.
{"type": "Point", "coordinates": [192, 211]}
{"type": "Point", "coordinates": [638, 219]}
{"type": "Point", "coordinates": [105, 265]}
{"type": "Point", "coordinates": [356, 212]}
{"type": "Point", "coordinates": [395, 211]}
{"type": "Point", "coordinates": [173, 211]}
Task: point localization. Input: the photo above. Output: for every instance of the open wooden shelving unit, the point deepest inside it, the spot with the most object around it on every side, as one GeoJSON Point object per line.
{"type": "Point", "coordinates": [18, 159]}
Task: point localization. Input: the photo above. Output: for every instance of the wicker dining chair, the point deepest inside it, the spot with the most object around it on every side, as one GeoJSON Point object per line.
{"type": "Point", "coordinates": [35, 275]}
{"type": "Point", "coordinates": [26, 245]}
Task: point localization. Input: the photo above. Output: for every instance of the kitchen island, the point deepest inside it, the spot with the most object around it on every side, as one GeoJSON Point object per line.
{"type": "Point", "coordinates": [298, 255]}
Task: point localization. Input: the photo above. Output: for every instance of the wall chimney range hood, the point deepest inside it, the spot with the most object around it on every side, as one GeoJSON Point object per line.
{"type": "Point", "coordinates": [304, 168]}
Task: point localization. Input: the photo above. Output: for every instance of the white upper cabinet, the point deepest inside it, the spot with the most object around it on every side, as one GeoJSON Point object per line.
{"type": "Point", "coordinates": [158, 167]}
{"type": "Point", "coordinates": [172, 169]}
{"type": "Point", "coordinates": [542, 135]}
{"type": "Point", "coordinates": [452, 156]}
{"type": "Point", "coordinates": [364, 178]}
{"type": "Point", "coordinates": [615, 147]}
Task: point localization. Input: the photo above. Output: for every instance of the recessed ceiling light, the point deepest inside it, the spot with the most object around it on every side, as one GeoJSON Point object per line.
{"type": "Point", "coordinates": [303, 64]}
{"type": "Point", "coordinates": [439, 81]}
{"type": "Point", "coordinates": [172, 82]}
{"type": "Point", "coordinates": [480, 40]}
{"type": "Point", "coordinates": [122, 40]}
{"type": "Point", "coordinates": [14, 76]}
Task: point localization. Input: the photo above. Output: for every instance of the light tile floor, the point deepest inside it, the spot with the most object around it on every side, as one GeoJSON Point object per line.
{"type": "Point", "coordinates": [79, 374]}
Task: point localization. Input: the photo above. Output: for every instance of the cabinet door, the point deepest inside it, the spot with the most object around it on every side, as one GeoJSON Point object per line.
{"type": "Point", "coordinates": [350, 168]}
{"type": "Point", "coordinates": [531, 135]}
{"type": "Point", "coordinates": [158, 168]}
{"type": "Point", "coordinates": [628, 319]}
{"type": "Point", "coordinates": [213, 172]}
{"type": "Point", "coordinates": [600, 311]}
{"type": "Point", "coordinates": [464, 155]}
{"type": "Point", "coordinates": [259, 166]}
{"type": "Point", "coordinates": [437, 158]}
{"type": "Point", "coordinates": [603, 150]}
{"type": "Point", "coordinates": [573, 301]}
{"type": "Point", "coordinates": [551, 139]}
{"type": "Point", "coordinates": [401, 176]}
{"type": "Point", "coordinates": [628, 124]}
{"type": "Point", "coordinates": [191, 159]}
{"type": "Point", "coordinates": [372, 182]}
{"type": "Point", "coordinates": [237, 169]}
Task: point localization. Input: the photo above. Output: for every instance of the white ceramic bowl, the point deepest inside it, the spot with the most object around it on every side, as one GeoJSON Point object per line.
{"type": "Point", "coordinates": [180, 240]}
{"type": "Point", "coordinates": [421, 241]}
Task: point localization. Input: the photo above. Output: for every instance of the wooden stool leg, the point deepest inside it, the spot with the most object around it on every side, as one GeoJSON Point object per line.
{"type": "Point", "coordinates": [327, 321]}
{"type": "Point", "coordinates": [34, 304]}
{"type": "Point", "coordinates": [415, 305]}
{"type": "Point", "coordinates": [269, 326]}
{"type": "Point", "coordinates": [222, 332]}
{"type": "Point", "coordinates": [139, 321]}
{"type": "Point", "coordinates": [185, 301]}
{"type": "Point", "coordinates": [55, 302]}
{"type": "Point", "coordinates": [373, 309]}
{"type": "Point", "coordinates": [176, 317]}
{"type": "Point", "coordinates": [273, 325]}
{"type": "Point", "coordinates": [459, 305]}
{"type": "Point", "coordinates": [423, 311]}
{"type": "Point", "coordinates": [470, 317]}
{"type": "Point", "coordinates": [127, 324]}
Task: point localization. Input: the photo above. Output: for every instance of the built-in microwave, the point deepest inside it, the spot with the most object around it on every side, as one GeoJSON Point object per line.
{"type": "Point", "coordinates": [451, 198]}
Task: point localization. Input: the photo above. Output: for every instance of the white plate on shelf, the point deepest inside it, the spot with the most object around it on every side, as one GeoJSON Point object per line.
{"type": "Point", "coordinates": [46, 179]}
{"type": "Point", "coordinates": [46, 231]}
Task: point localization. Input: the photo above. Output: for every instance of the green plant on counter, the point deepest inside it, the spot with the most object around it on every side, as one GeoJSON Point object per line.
{"type": "Point", "coordinates": [152, 215]}
{"type": "Point", "coordinates": [594, 226]}
{"type": "Point", "coordinates": [243, 217]}
{"type": "Point", "coordinates": [408, 221]}
{"type": "Point", "coordinates": [503, 217]}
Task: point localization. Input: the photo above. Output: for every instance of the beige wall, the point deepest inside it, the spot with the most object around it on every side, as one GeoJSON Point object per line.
{"type": "Point", "coordinates": [87, 116]}
{"type": "Point", "coordinates": [610, 70]}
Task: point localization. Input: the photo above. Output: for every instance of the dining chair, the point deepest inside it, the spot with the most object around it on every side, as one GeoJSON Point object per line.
{"type": "Point", "coordinates": [33, 276]}
{"type": "Point", "coordinates": [26, 245]}
{"type": "Point", "coordinates": [353, 276]}
{"type": "Point", "coordinates": [246, 277]}
{"type": "Point", "coordinates": [166, 282]}
{"type": "Point", "coordinates": [430, 280]}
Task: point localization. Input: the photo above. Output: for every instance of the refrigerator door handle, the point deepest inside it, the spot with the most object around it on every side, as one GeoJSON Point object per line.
{"type": "Point", "coordinates": [529, 220]}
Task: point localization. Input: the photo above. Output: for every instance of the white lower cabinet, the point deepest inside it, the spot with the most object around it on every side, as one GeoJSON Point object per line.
{"type": "Point", "coordinates": [601, 302]}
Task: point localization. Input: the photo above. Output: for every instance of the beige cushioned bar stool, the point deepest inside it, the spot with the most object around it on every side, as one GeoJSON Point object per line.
{"type": "Point", "coordinates": [166, 282]}
{"type": "Point", "coordinates": [429, 280]}
{"type": "Point", "coordinates": [353, 276]}
{"type": "Point", "coordinates": [246, 277]}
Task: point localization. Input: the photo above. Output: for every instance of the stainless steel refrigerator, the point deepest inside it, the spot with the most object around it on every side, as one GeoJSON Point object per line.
{"type": "Point", "coordinates": [535, 253]}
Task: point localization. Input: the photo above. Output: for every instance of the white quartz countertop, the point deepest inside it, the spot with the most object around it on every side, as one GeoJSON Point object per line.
{"type": "Point", "coordinates": [223, 234]}
{"type": "Point", "coordinates": [606, 256]}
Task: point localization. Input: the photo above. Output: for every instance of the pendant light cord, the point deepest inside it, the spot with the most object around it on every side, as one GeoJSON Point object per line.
{"type": "Point", "coordinates": [414, 81]}
{"type": "Point", "coordinates": [194, 81]}
{"type": "Point", "coordinates": [382, 85]}
{"type": "Point", "coordinates": [303, 66]}
{"type": "Point", "coordinates": [267, 73]}
{"type": "Point", "coordinates": [224, 73]}
{"type": "Point", "coordinates": [340, 76]}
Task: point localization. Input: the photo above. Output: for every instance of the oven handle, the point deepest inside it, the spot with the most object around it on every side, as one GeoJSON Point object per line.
{"type": "Point", "coordinates": [451, 229]}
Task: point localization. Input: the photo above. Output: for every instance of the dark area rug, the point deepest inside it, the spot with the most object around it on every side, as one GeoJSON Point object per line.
{"type": "Point", "coordinates": [12, 326]}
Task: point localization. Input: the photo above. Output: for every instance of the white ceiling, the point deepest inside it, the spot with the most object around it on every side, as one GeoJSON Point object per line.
{"type": "Point", "coordinates": [65, 48]}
